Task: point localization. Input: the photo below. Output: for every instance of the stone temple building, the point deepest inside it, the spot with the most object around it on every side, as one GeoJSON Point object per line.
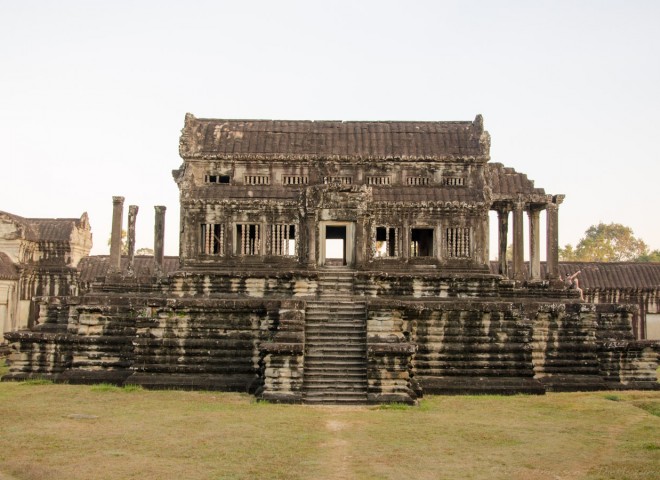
{"type": "Point", "coordinates": [38, 258]}
{"type": "Point", "coordinates": [330, 262]}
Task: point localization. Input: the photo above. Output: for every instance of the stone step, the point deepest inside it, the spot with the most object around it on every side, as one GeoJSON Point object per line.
{"type": "Point", "coordinates": [350, 354]}
{"type": "Point", "coordinates": [330, 370]}
{"type": "Point", "coordinates": [331, 400]}
{"type": "Point", "coordinates": [335, 361]}
{"type": "Point", "coordinates": [320, 385]}
{"type": "Point", "coordinates": [339, 303]}
{"type": "Point", "coordinates": [329, 337]}
{"type": "Point", "coordinates": [329, 380]}
{"type": "Point", "coordinates": [335, 345]}
{"type": "Point", "coordinates": [331, 326]}
{"type": "Point", "coordinates": [329, 318]}
{"type": "Point", "coordinates": [333, 339]}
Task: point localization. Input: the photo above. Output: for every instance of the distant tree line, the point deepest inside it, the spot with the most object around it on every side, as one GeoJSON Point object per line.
{"type": "Point", "coordinates": [609, 243]}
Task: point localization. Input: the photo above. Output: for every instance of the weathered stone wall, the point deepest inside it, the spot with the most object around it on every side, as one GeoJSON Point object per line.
{"type": "Point", "coordinates": [389, 354]}
{"type": "Point", "coordinates": [282, 358]}
{"type": "Point", "coordinates": [425, 334]}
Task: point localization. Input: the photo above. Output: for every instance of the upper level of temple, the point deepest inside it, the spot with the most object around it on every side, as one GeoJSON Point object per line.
{"type": "Point", "coordinates": [374, 195]}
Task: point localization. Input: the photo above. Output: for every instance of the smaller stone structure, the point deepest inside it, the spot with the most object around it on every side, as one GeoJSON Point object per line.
{"type": "Point", "coordinates": [38, 257]}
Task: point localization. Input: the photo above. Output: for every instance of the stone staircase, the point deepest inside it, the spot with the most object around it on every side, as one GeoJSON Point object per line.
{"type": "Point", "coordinates": [335, 343]}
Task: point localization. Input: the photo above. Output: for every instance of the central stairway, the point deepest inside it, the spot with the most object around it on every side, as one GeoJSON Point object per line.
{"type": "Point", "coordinates": [335, 343]}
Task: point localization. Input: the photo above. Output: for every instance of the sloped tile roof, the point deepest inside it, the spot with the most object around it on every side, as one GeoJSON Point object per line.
{"type": "Point", "coordinates": [8, 270]}
{"type": "Point", "coordinates": [95, 266]}
{"type": "Point", "coordinates": [47, 229]}
{"type": "Point", "coordinates": [507, 182]}
{"type": "Point", "coordinates": [619, 275]}
{"type": "Point", "coordinates": [223, 138]}
{"type": "Point", "coordinates": [604, 275]}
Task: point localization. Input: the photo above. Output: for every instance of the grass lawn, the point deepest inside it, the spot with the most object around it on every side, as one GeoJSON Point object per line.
{"type": "Point", "coordinates": [100, 432]}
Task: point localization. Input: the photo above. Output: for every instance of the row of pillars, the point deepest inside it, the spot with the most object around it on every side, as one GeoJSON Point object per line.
{"type": "Point", "coordinates": [552, 239]}
{"type": "Point", "coordinates": [115, 238]}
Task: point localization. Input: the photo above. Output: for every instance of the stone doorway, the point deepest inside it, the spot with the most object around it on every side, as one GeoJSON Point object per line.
{"type": "Point", "coordinates": [337, 240]}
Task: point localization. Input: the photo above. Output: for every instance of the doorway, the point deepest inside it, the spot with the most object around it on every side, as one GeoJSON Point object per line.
{"type": "Point", "coordinates": [336, 243]}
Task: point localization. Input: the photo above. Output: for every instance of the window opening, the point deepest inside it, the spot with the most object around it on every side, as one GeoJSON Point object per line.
{"type": "Point", "coordinates": [212, 239]}
{"type": "Point", "coordinates": [387, 242]}
{"type": "Point", "coordinates": [418, 180]}
{"type": "Point", "coordinates": [453, 181]}
{"type": "Point", "coordinates": [421, 242]}
{"type": "Point", "coordinates": [457, 242]}
{"type": "Point", "coordinates": [340, 180]}
{"type": "Point", "coordinates": [384, 180]}
{"type": "Point", "coordinates": [283, 240]}
{"type": "Point", "coordinates": [217, 178]}
{"type": "Point", "coordinates": [294, 179]}
{"type": "Point", "coordinates": [249, 239]}
{"type": "Point", "coordinates": [257, 180]}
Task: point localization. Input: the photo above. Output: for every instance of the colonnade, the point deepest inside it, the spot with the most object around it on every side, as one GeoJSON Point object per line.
{"type": "Point", "coordinates": [116, 241]}
{"type": "Point", "coordinates": [533, 208]}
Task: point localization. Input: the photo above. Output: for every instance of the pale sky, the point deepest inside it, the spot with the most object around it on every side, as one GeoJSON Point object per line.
{"type": "Point", "coordinates": [93, 94]}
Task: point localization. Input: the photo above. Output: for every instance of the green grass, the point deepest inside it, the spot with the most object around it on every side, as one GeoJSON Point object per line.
{"type": "Point", "coordinates": [106, 387]}
{"type": "Point", "coordinates": [101, 432]}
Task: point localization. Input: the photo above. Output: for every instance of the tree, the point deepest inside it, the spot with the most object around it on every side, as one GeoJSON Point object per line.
{"type": "Point", "coordinates": [653, 256]}
{"type": "Point", "coordinates": [606, 243]}
{"type": "Point", "coordinates": [124, 242]}
{"type": "Point", "coordinates": [145, 251]}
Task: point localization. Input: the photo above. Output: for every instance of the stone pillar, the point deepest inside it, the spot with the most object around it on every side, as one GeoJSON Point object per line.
{"type": "Point", "coordinates": [405, 239]}
{"type": "Point", "coordinates": [534, 214]}
{"type": "Point", "coordinates": [503, 225]}
{"type": "Point", "coordinates": [310, 232]}
{"type": "Point", "coordinates": [159, 239]}
{"type": "Point", "coordinates": [115, 236]}
{"type": "Point", "coordinates": [132, 215]}
{"type": "Point", "coordinates": [518, 242]}
{"type": "Point", "coordinates": [552, 237]}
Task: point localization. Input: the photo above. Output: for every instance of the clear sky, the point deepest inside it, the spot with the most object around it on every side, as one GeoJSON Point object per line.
{"type": "Point", "coordinates": [93, 94]}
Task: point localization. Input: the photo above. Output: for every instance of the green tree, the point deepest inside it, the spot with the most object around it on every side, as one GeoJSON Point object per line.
{"type": "Point", "coordinates": [653, 256]}
{"type": "Point", "coordinates": [606, 243]}
{"type": "Point", "coordinates": [124, 242]}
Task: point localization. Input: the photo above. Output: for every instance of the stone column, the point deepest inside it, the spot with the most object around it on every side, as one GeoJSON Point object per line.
{"type": "Point", "coordinates": [405, 239]}
{"type": "Point", "coordinates": [534, 215]}
{"type": "Point", "coordinates": [132, 215]}
{"type": "Point", "coordinates": [503, 225]}
{"type": "Point", "coordinates": [518, 242]}
{"type": "Point", "coordinates": [310, 233]}
{"type": "Point", "coordinates": [115, 236]}
{"type": "Point", "coordinates": [159, 239]}
{"type": "Point", "coordinates": [552, 237]}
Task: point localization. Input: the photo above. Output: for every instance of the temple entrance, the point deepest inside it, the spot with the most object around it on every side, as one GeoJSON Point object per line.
{"type": "Point", "coordinates": [336, 243]}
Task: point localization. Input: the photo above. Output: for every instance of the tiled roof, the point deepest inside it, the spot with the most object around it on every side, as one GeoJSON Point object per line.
{"type": "Point", "coordinates": [506, 181]}
{"type": "Point", "coordinates": [614, 275]}
{"type": "Point", "coordinates": [96, 266]}
{"type": "Point", "coordinates": [619, 275]}
{"type": "Point", "coordinates": [355, 140]}
{"type": "Point", "coordinates": [8, 270]}
{"type": "Point", "coordinates": [48, 229]}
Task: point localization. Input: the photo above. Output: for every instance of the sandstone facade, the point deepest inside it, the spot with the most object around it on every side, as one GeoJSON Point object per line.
{"type": "Point", "coordinates": [330, 262]}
